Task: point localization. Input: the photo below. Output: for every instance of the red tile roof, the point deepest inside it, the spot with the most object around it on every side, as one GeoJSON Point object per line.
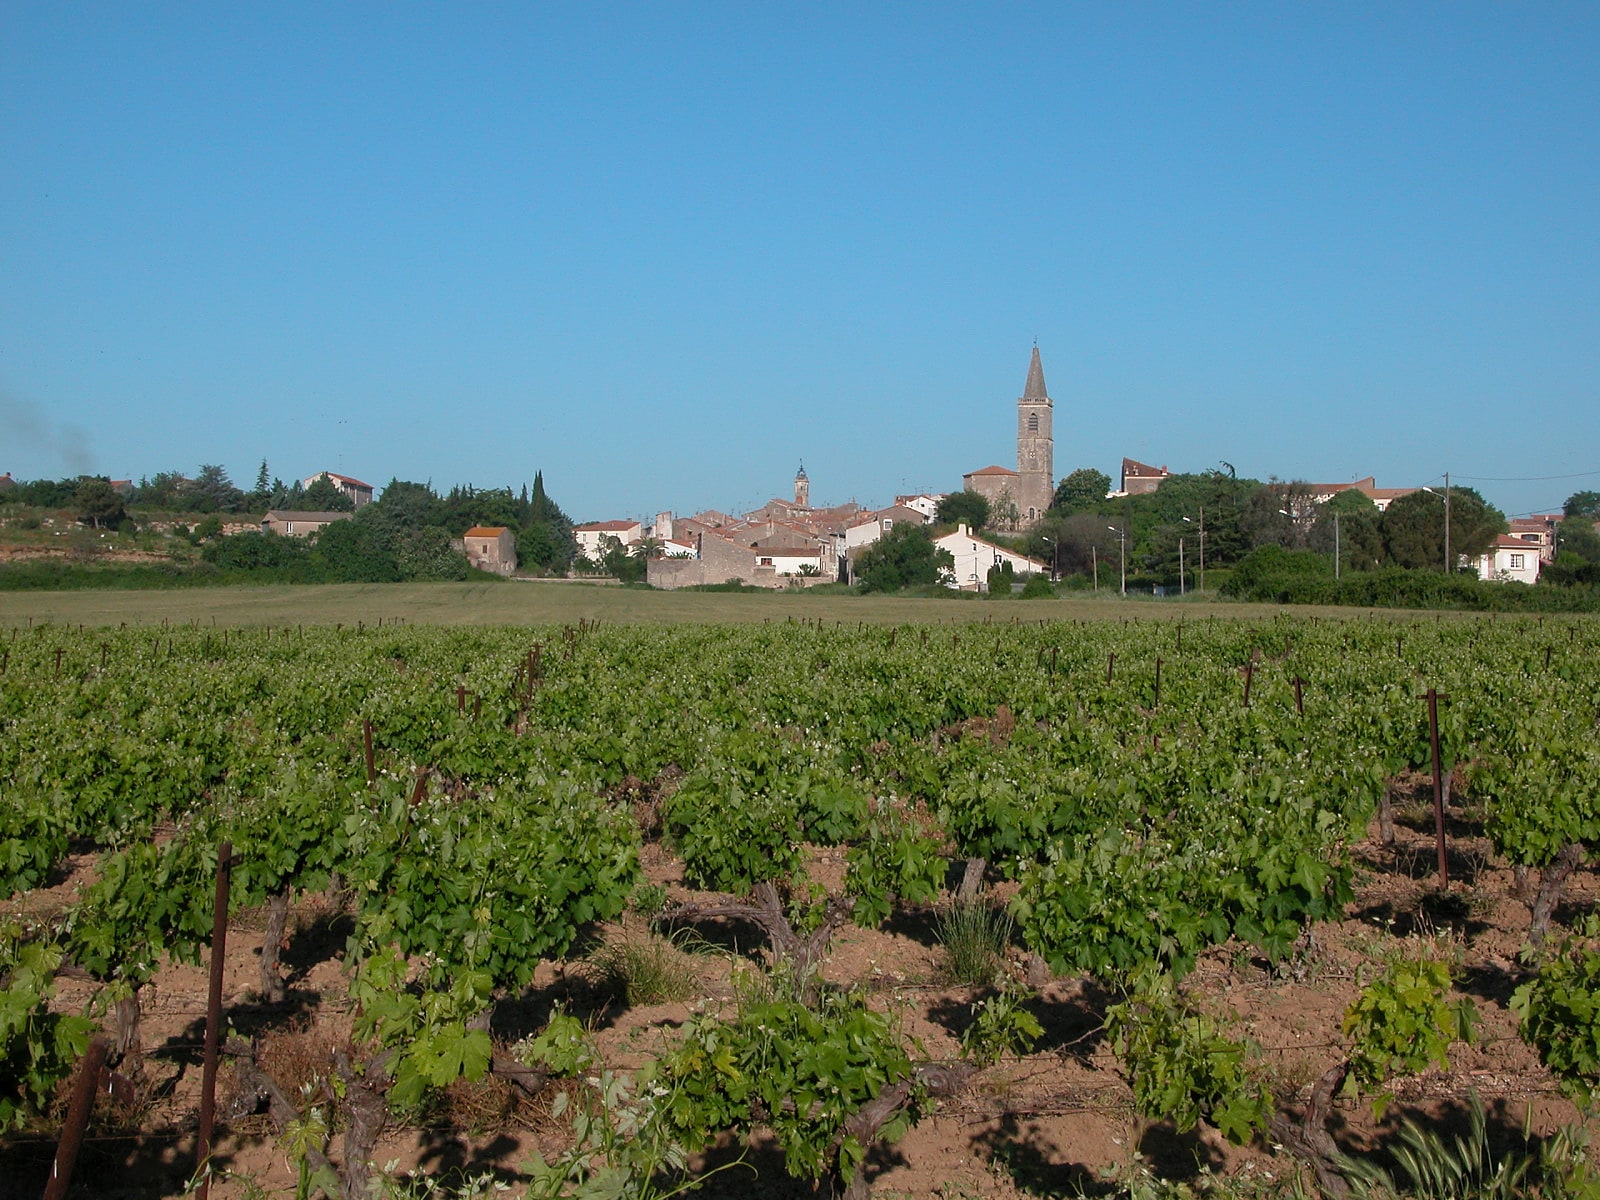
{"type": "Point", "coordinates": [605, 526]}
{"type": "Point", "coordinates": [485, 531]}
{"type": "Point", "coordinates": [993, 471]}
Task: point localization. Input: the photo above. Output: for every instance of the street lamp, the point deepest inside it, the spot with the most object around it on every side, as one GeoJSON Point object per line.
{"type": "Point", "coordinates": [1446, 497]}
{"type": "Point", "coordinates": [1190, 520]}
{"type": "Point", "coordinates": [1122, 536]}
{"type": "Point", "coordinates": [1055, 570]}
{"type": "Point", "coordinates": [1181, 589]}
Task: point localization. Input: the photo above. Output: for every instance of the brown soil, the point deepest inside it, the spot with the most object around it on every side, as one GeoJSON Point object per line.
{"type": "Point", "coordinates": [1047, 1125]}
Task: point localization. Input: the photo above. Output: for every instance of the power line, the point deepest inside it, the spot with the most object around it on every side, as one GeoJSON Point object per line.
{"type": "Point", "coordinates": [1525, 478]}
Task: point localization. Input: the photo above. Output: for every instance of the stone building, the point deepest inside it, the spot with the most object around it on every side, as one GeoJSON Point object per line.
{"type": "Point", "coordinates": [1018, 499]}
{"type": "Point", "coordinates": [1035, 446]}
{"type": "Point", "coordinates": [491, 548]}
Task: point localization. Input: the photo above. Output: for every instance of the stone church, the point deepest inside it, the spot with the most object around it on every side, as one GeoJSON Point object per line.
{"type": "Point", "coordinates": [1017, 499]}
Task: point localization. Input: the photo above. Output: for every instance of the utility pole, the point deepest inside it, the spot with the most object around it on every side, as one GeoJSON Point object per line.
{"type": "Point", "coordinates": [1449, 566]}
{"type": "Point", "coordinates": [1336, 547]}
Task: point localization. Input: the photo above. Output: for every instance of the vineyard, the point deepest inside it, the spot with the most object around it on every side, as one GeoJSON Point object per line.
{"type": "Point", "coordinates": [1053, 908]}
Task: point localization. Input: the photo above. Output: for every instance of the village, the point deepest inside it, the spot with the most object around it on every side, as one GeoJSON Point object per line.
{"type": "Point", "coordinates": [791, 542]}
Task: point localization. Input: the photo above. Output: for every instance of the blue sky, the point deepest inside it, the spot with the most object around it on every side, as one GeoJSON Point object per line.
{"type": "Point", "coordinates": [665, 252]}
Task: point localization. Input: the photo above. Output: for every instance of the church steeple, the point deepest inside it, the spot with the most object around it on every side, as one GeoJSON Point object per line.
{"type": "Point", "coordinates": [1035, 445]}
{"type": "Point", "coordinates": [802, 488]}
{"type": "Point", "coordinates": [1034, 388]}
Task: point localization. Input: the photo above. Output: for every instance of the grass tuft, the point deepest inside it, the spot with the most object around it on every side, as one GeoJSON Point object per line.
{"type": "Point", "coordinates": [974, 935]}
{"type": "Point", "coordinates": [648, 970]}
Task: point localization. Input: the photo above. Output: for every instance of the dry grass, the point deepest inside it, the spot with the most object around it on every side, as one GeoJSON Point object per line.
{"type": "Point", "coordinates": [547, 602]}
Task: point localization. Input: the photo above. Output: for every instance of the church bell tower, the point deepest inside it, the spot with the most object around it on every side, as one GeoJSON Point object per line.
{"type": "Point", "coordinates": [1035, 446]}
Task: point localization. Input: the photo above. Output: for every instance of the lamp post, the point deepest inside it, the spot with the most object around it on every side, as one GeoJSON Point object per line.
{"type": "Point", "coordinates": [1094, 562]}
{"type": "Point", "coordinates": [1055, 569]}
{"type": "Point", "coordinates": [1446, 497]}
{"type": "Point", "coordinates": [1122, 536]}
{"type": "Point", "coordinates": [1180, 567]}
{"type": "Point", "coordinates": [1336, 547]}
{"type": "Point", "coordinates": [1190, 520]}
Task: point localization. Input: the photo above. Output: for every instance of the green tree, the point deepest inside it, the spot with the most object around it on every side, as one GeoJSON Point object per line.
{"type": "Point", "coordinates": [1579, 535]}
{"type": "Point", "coordinates": [98, 502]}
{"type": "Point", "coordinates": [262, 492]}
{"type": "Point", "coordinates": [1348, 524]}
{"type": "Point", "coordinates": [409, 505]}
{"type": "Point", "coordinates": [1582, 504]}
{"type": "Point", "coordinates": [619, 561]}
{"type": "Point", "coordinates": [213, 491]}
{"type": "Point", "coordinates": [427, 554]}
{"type": "Point", "coordinates": [323, 496]}
{"type": "Point", "coordinates": [1414, 528]}
{"type": "Point", "coordinates": [904, 557]}
{"type": "Point", "coordinates": [547, 540]}
{"type": "Point", "coordinates": [355, 551]}
{"type": "Point", "coordinates": [1279, 514]}
{"type": "Point", "coordinates": [1081, 491]}
{"type": "Point", "coordinates": [964, 508]}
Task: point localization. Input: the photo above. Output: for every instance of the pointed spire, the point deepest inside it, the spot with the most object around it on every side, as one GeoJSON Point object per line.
{"type": "Point", "coordinates": [1034, 388]}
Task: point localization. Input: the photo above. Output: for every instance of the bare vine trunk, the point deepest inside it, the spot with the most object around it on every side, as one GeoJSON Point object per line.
{"type": "Point", "coordinates": [273, 988]}
{"type": "Point", "coordinates": [940, 1079]}
{"type": "Point", "coordinates": [367, 1107]}
{"type": "Point", "coordinates": [765, 908]}
{"type": "Point", "coordinates": [1309, 1137]}
{"type": "Point", "coordinates": [972, 879]}
{"type": "Point", "coordinates": [1386, 815]}
{"type": "Point", "coordinates": [255, 1087]}
{"type": "Point", "coordinates": [1551, 885]}
{"type": "Point", "coordinates": [127, 1014]}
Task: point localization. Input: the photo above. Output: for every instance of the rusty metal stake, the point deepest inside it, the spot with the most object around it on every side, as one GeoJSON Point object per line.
{"type": "Point", "coordinates": [1156, 703]}
{"type": "Point", "coordinates": [1249, 675]}
{"type": "Point", "coordinates": [208, 1075]}
{"type": "Point", "coordinates": [1438, 782]}
{"type": "Point", "coordinates": [1111, 661]}
{"type": "Point", "coordinates": [1299, 703]}
{"type": "Point", "coordinates": [366, 745]}
{"type": "Point", "coordinates": [78, 1109]}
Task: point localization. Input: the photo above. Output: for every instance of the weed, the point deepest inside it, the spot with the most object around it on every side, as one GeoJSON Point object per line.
{"type": "Point", "coordinates": [1471, 1167]}
{"type": "Point", "coordinates": [974, 935]}
{"type": "Point", "coordinates": [649, 970]}
{"type": "Point", "coordinates": [649, 899]}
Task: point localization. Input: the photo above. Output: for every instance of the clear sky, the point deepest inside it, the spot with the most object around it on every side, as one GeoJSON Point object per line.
{"type": "Point", "coordinates": [665, 252]}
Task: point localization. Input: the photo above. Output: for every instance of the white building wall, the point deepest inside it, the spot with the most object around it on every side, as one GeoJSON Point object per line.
{"type": "Point", "coordinates": [974, 557]}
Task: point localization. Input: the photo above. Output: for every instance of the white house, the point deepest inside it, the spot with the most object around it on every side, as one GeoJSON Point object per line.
{"type": "Point", "coordinates": [589, 536]}
{"type": "Point", "coordinates": [870, 526]}
{"type": "Point", "coordinates": [1510, 560]}
{"type": "Point", "coordinates": [974, 557]}
{"type": "Point", "coordinates": [926, 503]}
{"type": "Point", "coordinates": [789, 560]}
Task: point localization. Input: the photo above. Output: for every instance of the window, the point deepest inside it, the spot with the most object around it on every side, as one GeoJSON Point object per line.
{"type": "Point", "coordinates": [1516, 562]}
{"type": "Point", "coordinates": [1033, 422]}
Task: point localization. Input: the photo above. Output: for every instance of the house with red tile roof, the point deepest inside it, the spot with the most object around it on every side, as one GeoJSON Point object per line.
{"type": "Point", "coordinates": [359, 493]}
{"type": "Point", "coordinates": [590, 536]}
{"type": "Point", "coordinates": [491, 548]}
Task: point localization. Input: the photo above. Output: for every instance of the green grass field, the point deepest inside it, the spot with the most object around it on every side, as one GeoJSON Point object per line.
{"type": "Point", "coordinates": [558, 602]}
